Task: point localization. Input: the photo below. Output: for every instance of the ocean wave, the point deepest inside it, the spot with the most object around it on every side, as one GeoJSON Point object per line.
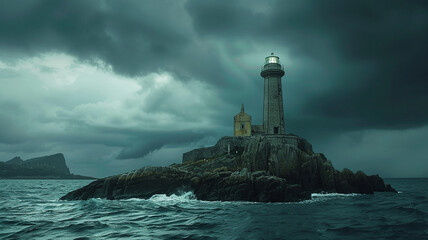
{"type": "Point", "coordinates": [317, 197]}
{"type": "Point", "coordinates": [182, 216]}
{"type": "Point", "coordinates": [334, 195]}
{"type": "Point", "coordinates": [184, 197]}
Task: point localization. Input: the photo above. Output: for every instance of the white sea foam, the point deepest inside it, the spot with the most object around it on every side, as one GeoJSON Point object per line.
{"type": "Point", "coordinates": [163, 198]}
{"type": "Point", "coordinates": [318, 197]}
{"type": "Point", "coordinates": [333, 195]}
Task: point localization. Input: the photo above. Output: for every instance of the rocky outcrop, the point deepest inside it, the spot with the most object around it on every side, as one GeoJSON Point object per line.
{"type": "Point", "coordinates": [287, 157]}
{"type": "Point", "coordinates": [282, 168]}
{"type": "Point", "coordinates": [211, 186]}
{"type": "Point", "coordinates": [246, 186]}
{"type": "Point", "coordinates": [53, 166]}
{"type": "Point", "coordinates": [141, 183]}
{"type": "Point", "coordinates": [236, 145]}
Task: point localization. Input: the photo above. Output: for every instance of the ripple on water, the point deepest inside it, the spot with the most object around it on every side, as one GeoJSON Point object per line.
{"type": "Point", "coordinates": [31, 210]}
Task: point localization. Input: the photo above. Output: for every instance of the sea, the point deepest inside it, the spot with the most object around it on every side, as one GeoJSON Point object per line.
{"type": "Point", "coordinates": [31, 209]}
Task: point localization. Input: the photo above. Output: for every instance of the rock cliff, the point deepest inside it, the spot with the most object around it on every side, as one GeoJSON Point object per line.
{"type": "Point", "coordinates": [281, 168]}
{"type": "Point", "coordinates": [53, 166]}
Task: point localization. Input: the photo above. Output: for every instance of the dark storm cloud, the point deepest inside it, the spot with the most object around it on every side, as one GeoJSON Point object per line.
{"type": "Point", "coordinates": [144, 143]}
{"type": "Point", "coordinates": [232, 18]}
{"type": "Point", "coordinates": [385, 38]}
{"type": "Point", "coordinates": [135, 37]}
{"type": "Point", "coordinates": [135, 143]}
{"type": "Point", "coordinates": [372, 54]}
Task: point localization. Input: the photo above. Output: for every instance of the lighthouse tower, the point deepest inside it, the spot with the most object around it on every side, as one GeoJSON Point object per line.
{"type": "Point", "coordinates": [273, 111]}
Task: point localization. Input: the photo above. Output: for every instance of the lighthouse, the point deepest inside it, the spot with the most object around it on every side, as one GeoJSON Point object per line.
{"type": "Point", "coordinates": [273, 111]}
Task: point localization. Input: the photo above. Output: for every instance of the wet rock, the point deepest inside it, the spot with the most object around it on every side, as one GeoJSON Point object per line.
{"type": "Point", "coordinates": [282, 168]}
{"type": "Point", "coordinates": [141, 183]}
{"type": "Point", "coordinates": [379, 185]}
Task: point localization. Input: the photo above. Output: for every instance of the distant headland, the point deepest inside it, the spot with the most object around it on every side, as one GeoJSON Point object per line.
{"type": "Point", "coordinates": [259, 163]}
{"type": "Point", "coordinates": [47, 167]}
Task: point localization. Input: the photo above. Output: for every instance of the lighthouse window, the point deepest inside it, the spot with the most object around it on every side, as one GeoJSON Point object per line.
{"type": "Point", "coordinates": [273, 60]}
{"type": "Point", "coordinates": [275, 130]}
{"type": "Point", "coordinates": [242, 126]}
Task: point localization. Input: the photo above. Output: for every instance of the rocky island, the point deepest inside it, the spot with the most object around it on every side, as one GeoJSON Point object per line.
{"type": "Point", "coordinates": [255, 168]}
{"type": "Point", "coordinates": [47, 167]}
{"type": "Point", "coordinates": [259, 163]}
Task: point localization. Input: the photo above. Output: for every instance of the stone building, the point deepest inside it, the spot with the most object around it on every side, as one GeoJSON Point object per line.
{"type": "Point", "coordinates": [242, 123]}
{"type": "Point", "coordinates": [273, 110]}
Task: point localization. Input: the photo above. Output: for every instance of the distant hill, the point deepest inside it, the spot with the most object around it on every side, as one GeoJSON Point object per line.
{"type": "Point", "coordinates": [47, 167]}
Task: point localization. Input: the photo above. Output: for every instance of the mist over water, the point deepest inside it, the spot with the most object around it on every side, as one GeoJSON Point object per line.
{"type": "Point", "coordinates": [30, 209]}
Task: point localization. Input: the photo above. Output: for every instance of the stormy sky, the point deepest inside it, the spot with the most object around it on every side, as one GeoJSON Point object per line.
{"type": "Point", "coordinates": [116, 85]}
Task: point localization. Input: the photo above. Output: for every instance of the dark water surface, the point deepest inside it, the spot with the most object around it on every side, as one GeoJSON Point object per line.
{"type": "Point", "coordinates": [30, 209]}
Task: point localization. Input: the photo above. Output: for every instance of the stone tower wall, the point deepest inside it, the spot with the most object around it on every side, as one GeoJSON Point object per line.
{"type": "Point", "coordinates": [273, 111]}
